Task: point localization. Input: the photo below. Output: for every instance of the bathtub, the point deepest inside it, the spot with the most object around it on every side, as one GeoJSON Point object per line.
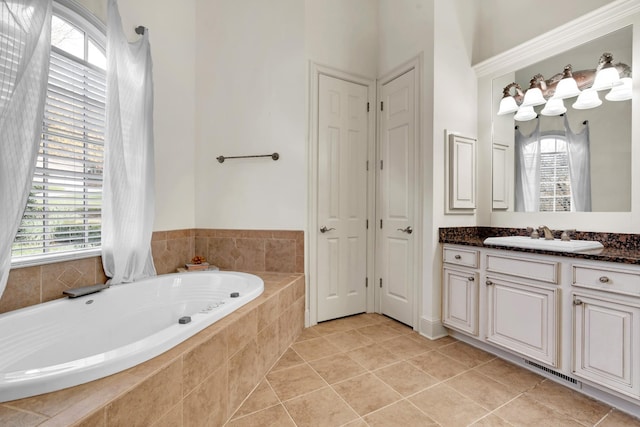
{"type": "Point", "coordinates": [67, 342]}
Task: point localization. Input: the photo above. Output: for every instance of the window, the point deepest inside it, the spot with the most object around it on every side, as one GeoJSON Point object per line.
{"type": "Point", "coordinates": [63, 213]}
{"type": "Point", "coordinates": [555, 185]}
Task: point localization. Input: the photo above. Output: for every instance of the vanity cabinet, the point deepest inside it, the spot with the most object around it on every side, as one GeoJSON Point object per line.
{"type": "Point", "coordinates": [460, 280]}
{"type": "Point", "coordinates": [606, 326]}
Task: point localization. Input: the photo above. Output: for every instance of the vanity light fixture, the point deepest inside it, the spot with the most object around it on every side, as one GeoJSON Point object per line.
{"type": "Point", "coordinates": [533, 96]}
{"type": "Point", "coordinates": [508, 103]}
{"type": "Point", "coordinates": [588, 99]}
{"type": "Point", "coordinates": [584, 84]}
{"type": "Point", "coordinates": [567, 87]}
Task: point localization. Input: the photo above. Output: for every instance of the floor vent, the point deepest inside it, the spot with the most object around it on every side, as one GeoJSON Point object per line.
{"type": "Point", "coordinates": [552, 372]}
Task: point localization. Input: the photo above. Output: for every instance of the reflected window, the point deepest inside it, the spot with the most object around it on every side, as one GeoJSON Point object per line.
{"type": "Point", "coordinates": [555, 182]}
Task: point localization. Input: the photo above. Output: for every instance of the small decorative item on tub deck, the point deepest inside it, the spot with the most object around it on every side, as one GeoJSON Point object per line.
{"type": "Point", "coordinates": [197, 263]}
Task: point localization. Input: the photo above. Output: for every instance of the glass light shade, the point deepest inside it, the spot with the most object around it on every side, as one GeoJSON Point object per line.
{"type": "Point", "coordinates": [605, 78]}
{"type": "Point", "coordinates": [525, 114]}
{"type": "Point", "coordinates": [554, 107]}
{"type": "Point", "coordinates": [621, 92]}
{"type": "Point", "coordinates": [507, 105]}
{"type": "Point", "coordinates": [588, 99]}
{"type": "Point", "coordinates": [532, 97]}
{"type": "Point", "coordinates": [567, 88]}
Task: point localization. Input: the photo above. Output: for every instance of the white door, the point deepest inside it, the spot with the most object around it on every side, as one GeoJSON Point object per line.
{"type": "Point", "coordinates": [396, 174]}
{"type": "Point", "coordinates": [342, 198]}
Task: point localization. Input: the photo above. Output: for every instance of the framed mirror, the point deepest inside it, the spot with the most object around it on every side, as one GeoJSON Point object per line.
{"type": "Point", "coordinates": [600, 180]}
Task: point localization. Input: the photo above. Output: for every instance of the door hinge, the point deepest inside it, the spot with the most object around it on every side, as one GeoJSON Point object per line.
{"type": "Point", "coordinates": [367, 107]}
{"type": "Point", "coordinates": [381, 164]}
{"type": "Point", "coordinates": [367, 164]}
{"type": "Point", "coordinates": [381, 282]}
{"type": "Point", "coordinates": [367, 224]}
{"type": "Point", "coordinates": [380, 223]}
{"type": "Point", "coordinates": [381, 106]}
{"type": "Point", "coordinates": [366, 282]}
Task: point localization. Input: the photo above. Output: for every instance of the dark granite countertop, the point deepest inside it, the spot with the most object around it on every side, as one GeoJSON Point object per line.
{"type": "Point", "coordinates": [618, 247]}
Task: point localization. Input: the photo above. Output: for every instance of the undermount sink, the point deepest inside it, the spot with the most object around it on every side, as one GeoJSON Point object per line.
{"type": "Point", "coordinates": [556, 245]}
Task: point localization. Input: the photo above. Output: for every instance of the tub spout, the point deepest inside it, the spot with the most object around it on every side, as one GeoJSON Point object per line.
{"type": "Point", "coordinates": [84, 290]}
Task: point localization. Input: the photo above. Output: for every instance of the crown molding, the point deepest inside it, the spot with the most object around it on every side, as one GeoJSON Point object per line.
{"type": "Point", "coordinates": [570, 34]}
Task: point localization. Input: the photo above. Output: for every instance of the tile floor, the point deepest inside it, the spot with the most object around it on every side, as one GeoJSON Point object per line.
{"type": "Point", "coordinates": [368, 370]}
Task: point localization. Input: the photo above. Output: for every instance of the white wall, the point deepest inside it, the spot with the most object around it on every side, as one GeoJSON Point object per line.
{"type": "Point", "coordinates": [250, 79]}
{"type": "Point", "coordinates": [172, 37]}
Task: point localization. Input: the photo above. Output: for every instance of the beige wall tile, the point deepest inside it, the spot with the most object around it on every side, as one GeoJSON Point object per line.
{"type": "Point", "coordinates": [268, 312]}
{"type": "Point", "coordinates": [204, 359]}
{"type": "Point", "coordinates": [280, 255]}
{"type": "Point", "coordinates": [22, 290]}
{"type": "Point", "coordinates": [14, 417]}
{"type": "Point", "coordinates": [173, 418]}
{"type": "Point", "coordinates": [208, 400]}
{"type": "Point", "coordinates": [243, 374]}
{"type": "Point", "coordinates": [243, 330]}
{"type": "Point", "coordinates": [99, 419]}
{"type": "Point", "coordinates": [145, 403]}
{"type": "Point", "coordinates": [251, 255]}
{"type": "Point", "coordinates": [61, 276]}
{"type": "Point", "coordinates": [268, 341]}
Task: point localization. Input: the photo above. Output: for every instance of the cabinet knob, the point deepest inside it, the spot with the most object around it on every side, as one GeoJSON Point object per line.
{"type": "Point", "coordinates": [604, 279]}
{"type": "Point", "coordinates": [489, 283]}
{"type": "Point", "coordinates": [457, 257]}
{"type": "Point", "coordinates": [471, 278]}
{"type": "Point", "coordinates": [577, 302]}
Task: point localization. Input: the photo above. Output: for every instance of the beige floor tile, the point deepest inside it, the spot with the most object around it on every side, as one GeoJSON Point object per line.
{"type": "Point", "coordinates": [510, 374]}
{"type": "Point", "coordinates": [400, 327]}
{"type": "Point", "coordinates": [373, 356]}
{"type": "Point", "coordinates": [320, 408]}
{"type": "Point", "coordinates": [528, 412]}
{"type": "Point", "coordinates": [315, 348]}
{"type": "Point", "coordinates": [617, 419]}
{"type": "Point", "coordinates": [348, 340]}
{"type": "Point", "coordinates": [438, 365]}
{"type": "Point", "coordinates": [307, 333]}
{"type": "Point", "coordinates": [293, 382]}
{"type": "Point", "coordinates": [336, 368]}
{"type": "Point", "coordinates": [406, 347]}
{"type": "Point", "coordinates": [331, 327]}
{"type": "Point", "coordinates": [492, 420]}
{"type": "Point", "coordinates": [448, 407]}
{"type": "Point", "coordinates": [466, 354]}
{"type": "Point", "coordinates": [405, 378]}
{"type": "Point", "coordinates": [287, 360]}
{"type": "Point", "coordinates": [261, 398]}
{"type": "Point", "coordinates": [400, 414]}
{"type": "Point", "coordinates": [569, 402]}
{"type": "Point", "coordinates": [379, 332]}
{"type": "Point", "coordinates": [274, 416]}
{"type": "Point", "coordinates": [357, 423]}
{"type": "Point", "coordinates": [483, 390]}
{"type": "Point", "coordinates": [356, 321]}
{"type": "Point", "coordinates": [366, 393]}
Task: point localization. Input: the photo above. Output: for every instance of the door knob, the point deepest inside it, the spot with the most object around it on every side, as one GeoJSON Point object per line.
{"type": "Point", "coordinates": [407, 230]}
{"type": "Point", "coordinates": [324, 229]}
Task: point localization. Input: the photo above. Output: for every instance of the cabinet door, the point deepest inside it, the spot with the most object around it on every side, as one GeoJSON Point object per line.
{"type": "Point", "coordinates": [606, 343]}
{"type": "Point", "coordinates": [462, 172]}
{"type": "Point", "coordinates": [523, 318]}
{"type": "Point", "coordinates": [460, 300]}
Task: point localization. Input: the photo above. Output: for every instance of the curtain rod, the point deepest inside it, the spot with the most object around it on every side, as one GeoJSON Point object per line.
{"type": "Point", "coordinates": [140, 30]}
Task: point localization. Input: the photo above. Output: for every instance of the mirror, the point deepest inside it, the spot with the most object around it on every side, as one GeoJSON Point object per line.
{"type": "Point", "coordinates": [609, 138]}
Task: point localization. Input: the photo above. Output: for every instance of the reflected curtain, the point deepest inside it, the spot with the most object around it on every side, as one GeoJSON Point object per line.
{"type": "Point", "coordinates": [128, 188]}
{"type": "Point", "coordinates": [527, 182]}
{"type": "Point", "coordinates": [579, 153]}
{"type": "Point", "coordinates": [25, 45]}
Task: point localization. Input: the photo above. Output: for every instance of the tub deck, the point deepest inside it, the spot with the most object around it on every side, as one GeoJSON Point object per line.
{"type": "Point", "coordinates": [199, 382]}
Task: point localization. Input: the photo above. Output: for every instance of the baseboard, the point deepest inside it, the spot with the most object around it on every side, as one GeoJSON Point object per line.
{"type": "Point", "coordinates": [432, 329]}
{"type": "Point", "coordinates": [307, 318]}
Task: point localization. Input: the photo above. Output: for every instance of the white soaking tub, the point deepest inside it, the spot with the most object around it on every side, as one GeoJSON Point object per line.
{"type": "Point", "coordinates": [71, 341]}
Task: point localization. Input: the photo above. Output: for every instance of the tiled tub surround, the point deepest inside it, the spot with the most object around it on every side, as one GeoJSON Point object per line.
{"type": "Point", "coordinates": [239, 250]}
{"type": "Point", "coordinates": [199, 382]}
{"type": "Point", "coordinates": [618, 247]}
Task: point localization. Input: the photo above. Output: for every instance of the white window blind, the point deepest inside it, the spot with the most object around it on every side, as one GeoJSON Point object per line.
{"type": "Point", "coordinates": [555, 185]}
{"type": "Point", "coordinates": [63, 213]}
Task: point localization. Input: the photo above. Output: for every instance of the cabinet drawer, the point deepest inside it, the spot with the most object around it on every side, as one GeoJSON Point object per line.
{"type": "Point", "coordinates": [464, 257]}
{"type": "Point", "coordinates": [542, 270]}
{"type": "Point", "coordinates": [607, 279]}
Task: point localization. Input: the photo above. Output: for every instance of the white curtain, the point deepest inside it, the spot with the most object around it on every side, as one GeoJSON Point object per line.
{"type": "Point", "coordinates": [579, 167]}
{"type": "Point", "coordinates": [128, 192]}
{"type": "Point", "coordinates": [25, 44]}
{"type": "Point", "coordinates": [527, 186]}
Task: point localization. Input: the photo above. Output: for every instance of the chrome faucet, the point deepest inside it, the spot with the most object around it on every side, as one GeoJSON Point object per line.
{"type": "Point", "coordinates": [548, 234]}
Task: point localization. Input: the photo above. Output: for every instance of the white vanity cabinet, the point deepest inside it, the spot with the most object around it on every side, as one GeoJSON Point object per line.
{"type": "Point", "coordinates": [522, 315]}
{"type": "Point", "coordinates": [606, 327]}
{"type": "Point", "coordinates": [460, 280]}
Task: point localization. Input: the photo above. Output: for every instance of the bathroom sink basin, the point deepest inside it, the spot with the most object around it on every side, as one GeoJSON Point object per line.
{"type": "Point", "coordinates": [556, 245]}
